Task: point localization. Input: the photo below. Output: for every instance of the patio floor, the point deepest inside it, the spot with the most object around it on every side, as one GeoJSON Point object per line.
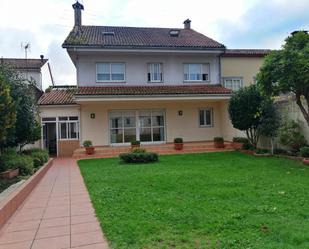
{"type": "Point", "coordinates": [162, 149]}
{"type": "Point", "coordinates": [58, 214]}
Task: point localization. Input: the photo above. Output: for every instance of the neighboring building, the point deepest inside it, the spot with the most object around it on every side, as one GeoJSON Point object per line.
{"type": "Point", "coordinates": [147, 84]}
{"type": "Point", "coordinates": [30, 69]}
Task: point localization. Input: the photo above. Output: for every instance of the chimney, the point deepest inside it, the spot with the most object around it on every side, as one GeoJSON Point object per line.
{"type": "Point", "coordinates": [78, 7]}
{"type": "Point", "coordinates": [187, 24]}
{"type": "Point", "coordinates": [42, 57]}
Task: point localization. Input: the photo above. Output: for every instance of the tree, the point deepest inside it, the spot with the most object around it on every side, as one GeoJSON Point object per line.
{"type": "Point", "coordinates": [7, 111]}
{"type": "Point", "coordinates": [253, 113]}
{"type": "Point", "coordinates": [269, 121]}
{"type": "Point", "coordinates": [27, 128]}
{"type": "Point", "coordinates": [287, 71]}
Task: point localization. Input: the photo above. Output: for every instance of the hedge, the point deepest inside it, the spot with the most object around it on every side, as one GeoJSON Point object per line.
{"type": "Point", "coordinates": [146, 157]}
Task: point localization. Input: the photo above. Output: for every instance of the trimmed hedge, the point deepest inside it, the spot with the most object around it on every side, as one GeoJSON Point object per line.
{"type": "Point", "coordinates": [145, 157]}
{"type": "Point", "coordinates": [23, 163]}
{"type": "Point", "coordinates": [304, 152]}
{"type": "Point", "coordinates": [240, 140]}
{"type": "Point", "coordinates": [138, 150]}
{"type": "Point", "coordinates": [219, 139]}
{"type": "Point", "coordinates": [39, 156]}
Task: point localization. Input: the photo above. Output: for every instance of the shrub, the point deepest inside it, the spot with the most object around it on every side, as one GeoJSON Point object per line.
{"type": "Point", "coordinates": [138, 150]}
{"type": "Point", "coordinates": [87, 143]}
{"type": "Point", "coordinates": [178, 140]}
{"type": "Point", "coordinates": [219, 139]}
{"type": "Point", "coordinates": [280, 151]}
{"type": "Point", "coordinates": [134, 142]}
{"type": "Point", "coordinates": [262, 151]}
{"type": "Point", "coordinates": [145, 157]}
{"type": "Point", "coordinates": [304, 152]}
{"type": "Point", "coordinates": [23, 163]}
{"type": "Point", "coordinates": [39, 156]}
{"type": "Point", "coordinates": [248, 146]}
{"type": "Point", "coordinates": [240, 140]}
{"type": "Point", "coordinates": [290, 135]}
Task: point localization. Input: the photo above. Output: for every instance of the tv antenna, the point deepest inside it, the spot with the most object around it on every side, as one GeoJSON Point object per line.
{"type": "Point", "coordinates": [26, 47]}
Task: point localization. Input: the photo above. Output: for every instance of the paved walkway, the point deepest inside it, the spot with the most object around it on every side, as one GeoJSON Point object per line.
{"type": "Point", "coordinates": [58, 214]}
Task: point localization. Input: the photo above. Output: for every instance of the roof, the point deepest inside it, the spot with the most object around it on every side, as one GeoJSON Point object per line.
{"type": "Point", "coordinates": [17, 63]}
{"type": "Point", "coordinates": [246, 52]}
{"type": "Point", "coordinates": [133, 37]}
{"type": "Point", "coordinates": [66, 96]}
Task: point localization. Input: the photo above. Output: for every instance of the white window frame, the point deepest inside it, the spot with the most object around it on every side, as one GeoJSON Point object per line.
{"type": "Point", "coordinates": [151, 80]}
{"type": "Point", "coordinates": [201, 72]}
{"type": "Point", "coordinates": [204, 116]}
{"type": "Point", "coordinates": [240, 79]}
{"type": "Point", "coordinates": [110, 72]}
{"type": "Point", "coordinates": [67, 124]}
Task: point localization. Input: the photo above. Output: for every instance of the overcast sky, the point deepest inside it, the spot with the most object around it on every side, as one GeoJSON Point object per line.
{"type": "Point", "coordinates": [235, 23]}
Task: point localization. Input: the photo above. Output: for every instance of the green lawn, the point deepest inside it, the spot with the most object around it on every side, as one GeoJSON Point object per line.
{"type": "Point", "coordinates": [214, 200]}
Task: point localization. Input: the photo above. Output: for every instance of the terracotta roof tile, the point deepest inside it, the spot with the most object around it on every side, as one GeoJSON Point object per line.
{"type": "Point", "coordinates": [66, 96]}
{"type": "Point", "coordinates": [133, 37]}
{"type": "Point", "coordinates": [18, 63]}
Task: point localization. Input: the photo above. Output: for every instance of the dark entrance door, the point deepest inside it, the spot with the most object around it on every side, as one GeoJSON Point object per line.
{"type": "Point", "coordinates": [50, 137]}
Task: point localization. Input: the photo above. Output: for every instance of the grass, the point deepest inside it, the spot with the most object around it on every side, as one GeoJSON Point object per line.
{"type": "Point", "coordinates": [214, 200]}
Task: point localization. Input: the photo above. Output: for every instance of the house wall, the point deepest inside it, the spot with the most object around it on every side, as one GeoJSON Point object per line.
{"type": "Point", "coordinates": [245, 67]}
{"type": "Point", "coordinates": [185, 126]}
{"type": "Point", "coordinates": [33, 75]}
{"type": "Point", "coordinates": [136, 67]}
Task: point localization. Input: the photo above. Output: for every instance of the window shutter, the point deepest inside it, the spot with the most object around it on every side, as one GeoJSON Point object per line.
{"type": "Point", "coordinates": [149, 79]}
{"type": "Point", "coordinates": [205, 76]}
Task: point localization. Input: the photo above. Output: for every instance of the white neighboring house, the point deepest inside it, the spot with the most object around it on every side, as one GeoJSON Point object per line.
{"type": "Point", "coordinates": [30, 69]}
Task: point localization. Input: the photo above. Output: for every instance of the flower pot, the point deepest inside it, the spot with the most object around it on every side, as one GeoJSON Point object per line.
{"type": "Point", "coordinates": [237, 145]}
{"type": "Point", "coordinates": [219, 144]}
{"type": "Point", "coordinates": [306, 161]}
{"type": "Point", "coordinates": [133, 146]}
{"type": "Point", "coordinates": [178, 146]}
{"type": "Point", "coordinates": [89, 150]}
{"type": "Point", "coordinates": [9, 174]}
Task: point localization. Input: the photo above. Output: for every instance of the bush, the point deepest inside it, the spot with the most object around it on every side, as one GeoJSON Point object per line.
{"type": "Point", "coordinates": [248, 146]}
{"type": "Point", "coordinates": [39, 156]}
{"type": "Point", "coordinates": [178, 140]}
{"type": "Point", "coordinates": [145, 157]}
{"type": "Point", "coordinates": [138, 150]}
{"type": "Point", "coordinates": [240, 140]}
{"type": "Point", "coordinates": [134, 142]}
{"type": "Point", "coordinates": [219, 139]}
{"type": "Point", "coordinates": [290, 135]}
{"type": "Point", "coordinates": [262, 151]}
{"type": "Point", "coordinates": [279, 151]}
{"type": "Point", "coordinates": [23, 163]}
{"type": "Point", "coordinates": [87, 143]}
{"type": "Point", "coordinates": [304, 152]}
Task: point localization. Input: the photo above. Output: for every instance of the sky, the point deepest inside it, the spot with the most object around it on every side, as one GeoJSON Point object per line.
{"type": "Point", "coordinates": [235, 23]}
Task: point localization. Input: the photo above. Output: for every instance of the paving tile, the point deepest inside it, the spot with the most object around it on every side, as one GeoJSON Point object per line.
{"type": "Point", "coordinates": [62, 221]}
{"type": "Point", "coordinates": [83, 219]}
{"type": "Point", "coordinates": [18, 245]}
{"type": "Point", "coordinates": [86, 238]}
{"type": "Point", "coordinates": [52, 243]}
{"type": "Point", "coordinates": [103, 245]}
{"type": "Point", "coordinates": [85, 227]}
{"type": "Point", "coordinates": [19, 236]}
{"type": "Point", "coordinates": [47, 232]}
{"type": "Point", "coordinates": [21, 226]}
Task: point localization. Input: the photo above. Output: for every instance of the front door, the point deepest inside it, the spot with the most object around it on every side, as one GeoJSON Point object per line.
{"type": "Point", "coordinates": [50, 137]}
{"type": "Point", "coordinates": [146, 126]}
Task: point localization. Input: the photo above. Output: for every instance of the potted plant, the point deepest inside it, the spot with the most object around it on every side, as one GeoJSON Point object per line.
{"type": "Point", "coordinates": [178, 143]}
{"type": "Point", "coordinates": [238, 142]}
{"type": "Point", "coordinates": [135, 144]}
{"type": "Point", "coordinates": [219, 142]}
{"type": "Point", "coordinates": [88, 147]}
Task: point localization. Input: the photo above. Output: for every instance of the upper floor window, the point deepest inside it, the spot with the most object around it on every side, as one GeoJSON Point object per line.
{"type": "Point", "coordinates": [233, 83]}
{"type": "Point", "coordinates": [110, 72]}
{"type": "Point", "coordinates": [155, 72]}
{"type": "Point", "coordinates": [196, 72]}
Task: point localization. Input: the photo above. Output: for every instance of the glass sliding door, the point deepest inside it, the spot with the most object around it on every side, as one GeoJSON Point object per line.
{"type": "Point", "coordinates": [147, 126]}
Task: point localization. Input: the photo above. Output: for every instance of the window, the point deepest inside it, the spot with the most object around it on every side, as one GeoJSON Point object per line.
{"type": "Point", "coordinates": [110, 72]}
{"type": "Point", "coordinates": [206, 117]}
{"type": "Point", "coordinates": [155, 72]}
{"type": "Point", "coordinates": [68, 128]}
{"type": "Point", "coordinates": [196, 72]}
{"type": "Point", "coordinates": [234, 83]}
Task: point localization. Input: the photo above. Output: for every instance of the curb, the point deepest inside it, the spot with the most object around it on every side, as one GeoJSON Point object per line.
{"type": "Point", "coordinates": [16, 198]}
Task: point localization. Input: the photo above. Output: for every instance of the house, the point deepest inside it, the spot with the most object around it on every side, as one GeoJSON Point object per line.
{"type": "Point", "coordinates": [147, 84]}
{"type": "Point", "coordinates": [29, 69]}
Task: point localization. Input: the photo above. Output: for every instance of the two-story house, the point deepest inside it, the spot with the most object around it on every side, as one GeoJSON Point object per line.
{"type": "Point", "coordinates": [146, 84]}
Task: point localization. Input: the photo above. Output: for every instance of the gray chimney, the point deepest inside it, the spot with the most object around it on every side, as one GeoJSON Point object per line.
{"type": "Point", "coordinates": [187, 24]}
{"type": "Point", "coordinates": [78, 7]}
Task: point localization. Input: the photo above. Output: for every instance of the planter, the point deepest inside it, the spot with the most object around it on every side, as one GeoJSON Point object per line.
{"type": "Point", "coordinates": [219, 144]}
{"type": "Point", "coordinates": [9, 174]}
{"type": "Point", "coordinates": [237, 145]}
{"type": "Point", "coordinates": [306, 161]}
{"type": "Point", "coordinates": [89, 150]}
{"type": "Point", "coordinates": [178, 146]}
{"type": "Point", "coordinates": [249, 152]}
{"type": "Point", "coordinates": [262, 155]}
{"type": "Point", "coordinates": [133, 146]}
